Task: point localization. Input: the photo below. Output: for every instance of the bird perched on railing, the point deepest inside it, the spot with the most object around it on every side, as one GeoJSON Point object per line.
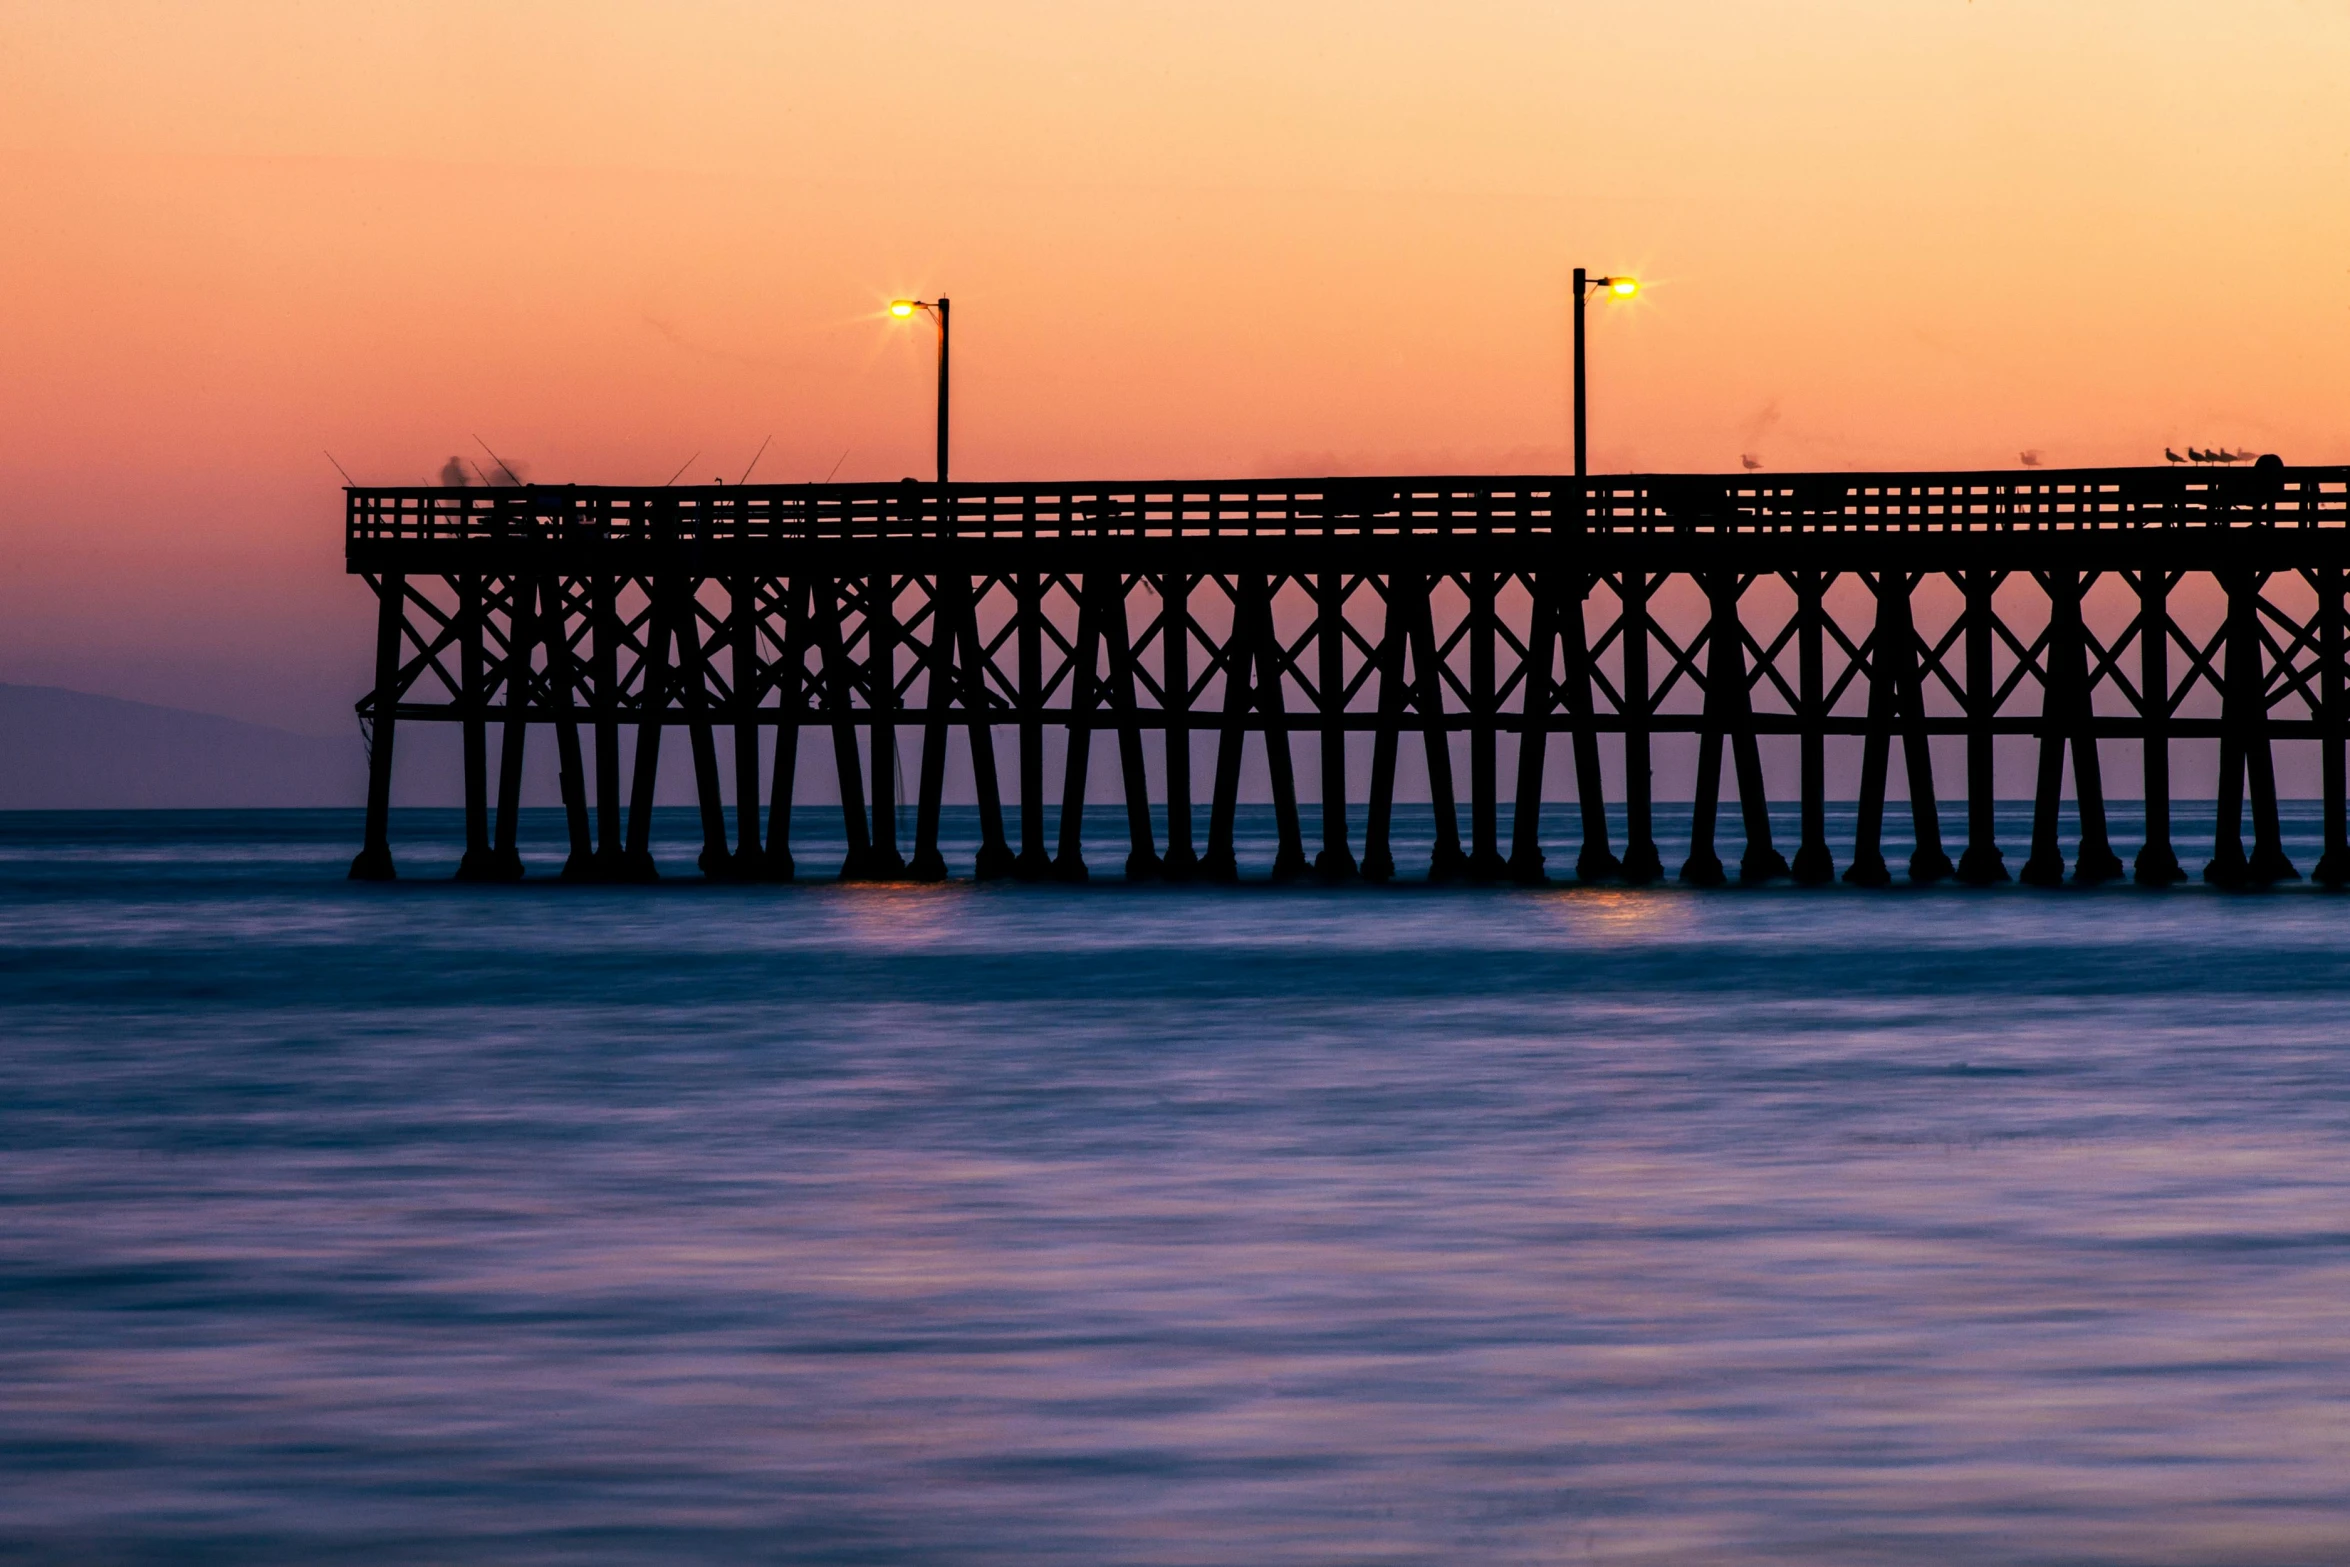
{"type": "Point", "coordinates": [2173, 456]}
{"type": "Point", "coordinates": [2030, 459]}
{"type": "Point", "coordinates": [2198, 455]}
{"type": "Point", "coordinates": [1749, 461]}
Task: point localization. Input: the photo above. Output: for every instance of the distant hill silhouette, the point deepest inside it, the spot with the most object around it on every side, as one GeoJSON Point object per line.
{"type": "Point", "coordinates": [66, 749]}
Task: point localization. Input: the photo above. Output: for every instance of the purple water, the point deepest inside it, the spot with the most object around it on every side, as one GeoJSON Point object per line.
{"type": "Point", "coordinates": [1050, 1225]}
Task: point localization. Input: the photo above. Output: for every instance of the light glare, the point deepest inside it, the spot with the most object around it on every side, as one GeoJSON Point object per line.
{"type": "Point", "coordinates": [901, 308]}
{"type": "Point", "coordinates": [1624, 287]}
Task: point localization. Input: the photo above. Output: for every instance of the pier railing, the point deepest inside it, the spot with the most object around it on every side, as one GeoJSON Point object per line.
{"type": "Point", "coordinates": [2030, 500]}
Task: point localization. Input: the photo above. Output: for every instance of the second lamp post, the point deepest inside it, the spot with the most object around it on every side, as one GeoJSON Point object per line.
{"type": "Point", "coordinates": [1585, 283]}
{"type": "Point", "coordinates": [902, 308]}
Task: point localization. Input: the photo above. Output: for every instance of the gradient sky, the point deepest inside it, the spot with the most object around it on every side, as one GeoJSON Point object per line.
{"type": "Point", "coordinates": [1282, 236]}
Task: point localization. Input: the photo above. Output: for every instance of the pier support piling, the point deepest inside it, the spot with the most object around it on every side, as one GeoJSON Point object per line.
{"type": "Point", "coordinates": [750, 685]}
{"type": "Point", "coordinates": [381, 714]}
{"type": "Point", "coordinates": [563, 696]}
{"type": "Point", "coordinates": [1526, 860]}
{"type": "Point", "coordinates": [2157, 863]}
{"type": "Point", "coordinates": [1181, 862]}
{"type": "Point", "coordinates": [472, 618]}
{"type": "Point", "coordinates": [1447, 861]}
{"type": "Point", "coordinates": [1595, 861]}
{"type": "Point", "coordinates": [1642, 864]}
{"type": "Point", "coordinates": [1814, 864]}
{"type": "Point", "coordinates": [1336, 861]}
{"type": "Point", "coordinates": [1981, 864]}
{"type": "Point", "coordinates": [2333, 865]}
{"type": "Point", "coordinates": [1033, 863]}
{"type": "Point", "coordinates": [522, 635]}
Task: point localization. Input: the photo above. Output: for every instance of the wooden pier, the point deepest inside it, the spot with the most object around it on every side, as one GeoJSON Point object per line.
{"type": "Point", "coordinates": [2049, 609]}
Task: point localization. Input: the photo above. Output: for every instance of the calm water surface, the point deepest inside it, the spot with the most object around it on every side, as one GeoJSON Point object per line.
{"type": "Point", "coordinates": [1050, 1225]}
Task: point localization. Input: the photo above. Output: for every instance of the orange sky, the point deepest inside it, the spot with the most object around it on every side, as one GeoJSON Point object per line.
{"type": "Point", "coordinates": [1195, 238]}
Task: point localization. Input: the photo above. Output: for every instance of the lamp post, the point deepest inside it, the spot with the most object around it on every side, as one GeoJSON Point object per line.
{"type": "Point", "coordinates": [902, 308]}
{"type": "Point", "coordinates": [1640, 862]}
{"type": "Point", "coordinates": [1620, 288]}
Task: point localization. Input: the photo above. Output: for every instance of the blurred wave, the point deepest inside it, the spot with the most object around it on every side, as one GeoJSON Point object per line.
{"type": "Point", "coordinates": [1044, 1224]}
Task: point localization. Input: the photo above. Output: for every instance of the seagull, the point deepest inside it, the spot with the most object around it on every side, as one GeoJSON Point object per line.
{"type": "Point", "coordinates": [2031, 459]}
{"type": "Point", "coordinates": [1751, 461]}
{"type": "Point", "coordinates": [2173, 456]}
{"type": "Point", "coordinates": [2198, 456]}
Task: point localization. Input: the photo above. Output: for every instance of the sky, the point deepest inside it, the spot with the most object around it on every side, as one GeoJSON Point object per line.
{"type": "Point", "coordinates": [609, 238]}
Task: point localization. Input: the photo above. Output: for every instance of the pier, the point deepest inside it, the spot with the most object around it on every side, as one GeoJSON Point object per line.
{"type": "Point", "coordinates": [2054, 610]}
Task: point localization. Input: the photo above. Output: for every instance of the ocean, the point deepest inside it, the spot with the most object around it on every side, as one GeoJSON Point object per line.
{"type": "Point", "coordinates": [1012, 1224]}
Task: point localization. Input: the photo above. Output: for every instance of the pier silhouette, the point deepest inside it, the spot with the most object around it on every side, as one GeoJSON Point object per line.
{"type": "Point", "coordinates": [1570, 614]}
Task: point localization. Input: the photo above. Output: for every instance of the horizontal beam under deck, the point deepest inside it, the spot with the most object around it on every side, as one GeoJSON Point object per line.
{"type": "Point", "coordinates": [2059, 610]}
{"type": "Point", "coordinates": [1508, 723]}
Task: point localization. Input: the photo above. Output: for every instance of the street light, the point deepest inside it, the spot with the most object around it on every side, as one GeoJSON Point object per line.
{"type": "Point", "coordinates": [1619, 288]}
{"type": "Point", "coordinates": [901, 309]}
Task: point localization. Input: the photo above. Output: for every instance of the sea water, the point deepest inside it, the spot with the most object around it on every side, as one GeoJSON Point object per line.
{"type": "Point", "coordinates": [1013, 1224]}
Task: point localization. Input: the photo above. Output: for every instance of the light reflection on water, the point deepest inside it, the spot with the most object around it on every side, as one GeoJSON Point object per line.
{"type": "Point", "coordinates": [1016, 1225]}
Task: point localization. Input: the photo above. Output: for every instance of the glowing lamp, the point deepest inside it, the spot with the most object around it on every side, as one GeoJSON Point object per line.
{"type": "Point", "coordinates": [902, 308]}
{"type": "Point", "coordinates": [1623, 287]}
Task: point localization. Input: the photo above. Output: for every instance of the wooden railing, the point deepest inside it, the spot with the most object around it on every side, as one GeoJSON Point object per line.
{"type": "Point", "coordinates": [2025, 500]}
